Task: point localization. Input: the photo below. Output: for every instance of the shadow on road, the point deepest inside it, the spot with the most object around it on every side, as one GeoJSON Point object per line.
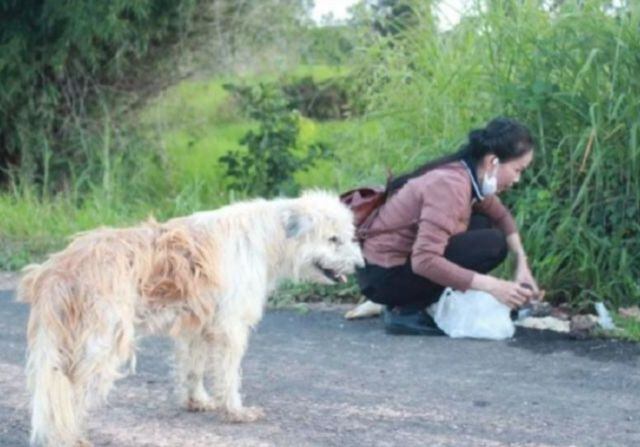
{"type": "Point", "coordinates": [594, 348]}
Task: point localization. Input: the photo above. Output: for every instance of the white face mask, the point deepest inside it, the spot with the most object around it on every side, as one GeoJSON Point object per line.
{"type": "Point", "coordinates": [490, 181]}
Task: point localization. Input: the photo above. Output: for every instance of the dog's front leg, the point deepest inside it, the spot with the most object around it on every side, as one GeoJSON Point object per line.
{"type": "Point", "coordinates": [231, 343]}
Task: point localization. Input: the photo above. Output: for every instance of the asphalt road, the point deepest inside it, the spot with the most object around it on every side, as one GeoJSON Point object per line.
{"type": "Point", "coordinates": [327, 382]}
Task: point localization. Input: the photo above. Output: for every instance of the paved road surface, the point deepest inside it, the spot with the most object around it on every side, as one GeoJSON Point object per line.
{"type": "Point", "coordinates": [328, 382]}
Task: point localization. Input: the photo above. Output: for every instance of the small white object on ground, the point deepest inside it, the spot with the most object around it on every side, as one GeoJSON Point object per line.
{"type": "Point", "coordinates": [365, 309]}
{"type": "Point", "coordinates": [604, 318]}
{"type": "Point", "coordinates": [544, 324]}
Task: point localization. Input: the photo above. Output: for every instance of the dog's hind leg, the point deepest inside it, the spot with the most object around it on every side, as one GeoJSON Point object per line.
{"type": "Point", "coordinates": [231, 342]}
{"type": "Point", "coordinates": [192, 355]}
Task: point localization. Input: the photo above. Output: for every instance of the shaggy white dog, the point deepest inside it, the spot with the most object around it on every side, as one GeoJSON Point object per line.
{"type": "Point", "coordinates": [203, 279]}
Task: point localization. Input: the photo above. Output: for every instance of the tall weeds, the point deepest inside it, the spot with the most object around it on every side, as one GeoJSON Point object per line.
{"type": "Point", "coordinates": [571, 75]}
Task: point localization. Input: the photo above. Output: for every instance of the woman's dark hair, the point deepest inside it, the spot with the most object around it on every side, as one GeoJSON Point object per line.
{"type": "Point", "coordinates": [504, 137]}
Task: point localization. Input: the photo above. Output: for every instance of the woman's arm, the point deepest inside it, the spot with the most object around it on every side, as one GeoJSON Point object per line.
{"type": "Point", "coordinates": [502, 218]}
{"type": "Point", "coordinates": [523, 273]}
{"type": "Point", "coordinates": [515, 246]}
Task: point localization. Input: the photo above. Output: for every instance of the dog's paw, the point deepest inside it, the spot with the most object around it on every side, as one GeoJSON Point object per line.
{"type": "Point", "coordinates": [244, 414]}
{"type": "Point", "coordinates": [197, 405]}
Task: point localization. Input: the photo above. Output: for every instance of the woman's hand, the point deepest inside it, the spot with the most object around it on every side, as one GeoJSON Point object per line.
{"type": "Point", "coordinates": [509, 293]}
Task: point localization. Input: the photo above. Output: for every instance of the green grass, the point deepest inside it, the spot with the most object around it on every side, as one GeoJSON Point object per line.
{"type": "Point", "coordinates": [32, 227]}
{"type": "Point", "coordinates": [628, 328]}
{"type": "Point", "coordinates": [196, 122]}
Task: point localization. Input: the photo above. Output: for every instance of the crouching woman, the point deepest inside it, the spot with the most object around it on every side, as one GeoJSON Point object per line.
{"type": "Point", "coordinates": [443, 225]}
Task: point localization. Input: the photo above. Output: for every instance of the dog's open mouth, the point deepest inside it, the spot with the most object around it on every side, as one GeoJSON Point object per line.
{"type": "Point", "coordinates": [331, 274]}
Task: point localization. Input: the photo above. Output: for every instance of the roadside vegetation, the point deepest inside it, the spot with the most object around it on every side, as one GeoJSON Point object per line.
{"type": "Point", "coordinates": [138, 120]}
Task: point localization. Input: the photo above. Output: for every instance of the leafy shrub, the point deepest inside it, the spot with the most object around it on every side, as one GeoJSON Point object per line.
{"type": "Point", "coordinates": [272, 156]}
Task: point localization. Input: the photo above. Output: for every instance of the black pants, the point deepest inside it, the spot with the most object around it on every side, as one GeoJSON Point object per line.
{"type": "Point", "coordinates": [480, 248]}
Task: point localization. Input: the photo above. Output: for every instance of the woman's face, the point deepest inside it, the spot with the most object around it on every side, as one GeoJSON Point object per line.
{"type": "Point", "coordinates": [509, 172]}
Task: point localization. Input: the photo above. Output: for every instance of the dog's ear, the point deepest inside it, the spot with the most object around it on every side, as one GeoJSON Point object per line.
{"type": "Point", "coordinates": [295, 223]}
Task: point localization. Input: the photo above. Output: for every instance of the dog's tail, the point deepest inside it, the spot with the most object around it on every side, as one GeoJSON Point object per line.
{"type": "Point", "coordinates": [54, 418]}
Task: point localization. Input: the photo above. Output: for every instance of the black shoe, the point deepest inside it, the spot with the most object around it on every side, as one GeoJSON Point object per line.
{"type": "Point", "coordinates": [409, 321]}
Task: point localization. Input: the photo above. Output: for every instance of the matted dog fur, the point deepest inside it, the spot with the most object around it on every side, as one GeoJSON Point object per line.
{"type": "Point", "coordinates": [202, 279]}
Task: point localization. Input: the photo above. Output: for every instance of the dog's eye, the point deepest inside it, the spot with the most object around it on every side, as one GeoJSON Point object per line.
{"type": "Point", "coordinates": [335, 240]}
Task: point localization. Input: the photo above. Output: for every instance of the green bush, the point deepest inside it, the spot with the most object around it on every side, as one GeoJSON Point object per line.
{"type": "Point", "coordinates": [272, 157]}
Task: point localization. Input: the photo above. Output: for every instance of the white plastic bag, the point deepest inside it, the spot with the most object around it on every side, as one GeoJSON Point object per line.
{"type": "Point", "coordinates": [472, 314]}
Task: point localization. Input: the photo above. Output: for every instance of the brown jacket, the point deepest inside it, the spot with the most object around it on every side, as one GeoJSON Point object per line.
{"type": "Point", "coordinates": [440, 202]}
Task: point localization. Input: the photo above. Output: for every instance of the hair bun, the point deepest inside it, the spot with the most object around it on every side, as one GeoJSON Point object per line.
{"type": "Point", "coordinates": [504, 137]}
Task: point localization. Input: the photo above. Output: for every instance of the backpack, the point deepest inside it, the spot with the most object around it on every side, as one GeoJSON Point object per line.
{"type": "Point", "coordinates": [364, 202]}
